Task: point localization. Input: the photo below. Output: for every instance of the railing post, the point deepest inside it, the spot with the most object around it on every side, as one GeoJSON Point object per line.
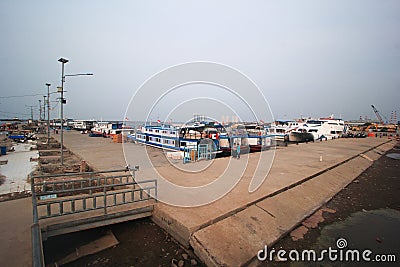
{"type": "Point", "coordinates": [155, 193]}
{"type": "Point", "coordinates": [105, 199]}
{"type": "Point", "coordinates": [43, 187]}
{"type": "Point", "coordinates": [37, 247]}
{"type": "Point", "coordinates": [90, 185]}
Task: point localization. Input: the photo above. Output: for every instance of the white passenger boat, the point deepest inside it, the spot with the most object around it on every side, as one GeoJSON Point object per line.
{"type": "Point", "coordinates": [325, 128]}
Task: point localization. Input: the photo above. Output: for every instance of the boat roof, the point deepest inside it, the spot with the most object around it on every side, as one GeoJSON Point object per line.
{"type": "Point", "coordinates": [330, 119]}
{"type": "Point", "coordinates": [161, 127]}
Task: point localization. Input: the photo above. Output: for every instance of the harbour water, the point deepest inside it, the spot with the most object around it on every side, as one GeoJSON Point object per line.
{"type": "Point", "coordinates": [376, 230]}
{"type": "Point", "coordinates": [373, 230]}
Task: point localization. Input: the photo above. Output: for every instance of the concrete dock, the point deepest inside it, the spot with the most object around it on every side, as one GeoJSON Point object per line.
{"type": "Point", "coordinates": [230, 231]}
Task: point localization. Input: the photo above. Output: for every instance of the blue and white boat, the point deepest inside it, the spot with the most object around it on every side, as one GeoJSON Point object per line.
{"type": "Point", "coordinates": [178, 138]}
{"type": "Point", "coordinates": [213, 135]}
{"type": "Point", "coordinates": [165, 136]}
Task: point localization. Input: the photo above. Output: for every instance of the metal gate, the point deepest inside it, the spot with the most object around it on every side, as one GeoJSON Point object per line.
{"type": "Point", "coordinates": [204, 151]}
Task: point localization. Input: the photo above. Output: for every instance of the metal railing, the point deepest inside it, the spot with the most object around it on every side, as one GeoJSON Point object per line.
{"type": "Point", "coordinates": [66, 194]}
{"type": "Point", "coordinates": [37, 245]}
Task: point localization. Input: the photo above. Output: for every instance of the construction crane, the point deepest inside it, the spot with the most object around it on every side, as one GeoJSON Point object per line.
{"type": "Point", "coordinates": [378, 115]}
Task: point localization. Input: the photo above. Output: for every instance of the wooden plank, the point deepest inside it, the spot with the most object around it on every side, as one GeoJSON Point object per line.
{"type": "Point", "coordinates": [94, 222]}
{"type": "Point", "coordinates": [104, 242]}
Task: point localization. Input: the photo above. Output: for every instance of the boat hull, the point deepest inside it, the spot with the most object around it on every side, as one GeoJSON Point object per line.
{"type": "Point", "coordinates": [298, 137]}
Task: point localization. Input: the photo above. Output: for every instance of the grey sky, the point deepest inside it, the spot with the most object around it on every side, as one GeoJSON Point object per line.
{"type": "Point", "coordinates": [309, 58]}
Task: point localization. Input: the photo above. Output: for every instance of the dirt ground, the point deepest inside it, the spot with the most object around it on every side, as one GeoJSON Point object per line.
{"type": "Point", "coordinates": [141, 243]}
{"type": "Point", "coordinates": [72, 163]}
{"type": "Point", "coordinates": [377, 188]}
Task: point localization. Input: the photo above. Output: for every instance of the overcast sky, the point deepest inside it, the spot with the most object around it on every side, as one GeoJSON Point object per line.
{"type": "Point", "coordinates": [309, 58]}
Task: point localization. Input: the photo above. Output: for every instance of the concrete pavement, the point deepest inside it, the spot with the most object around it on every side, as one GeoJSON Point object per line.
{"type": "Point", "coordinates": [15, 232]}
{"type": "Point", "coordinates": [235, 240]}
{"type": "Point", "coordinates": [231, 230]}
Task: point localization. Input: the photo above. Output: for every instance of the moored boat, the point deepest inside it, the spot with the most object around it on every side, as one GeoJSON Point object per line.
{"type": "Point", "coordinates": [300, 135]}
{"type": "Point", "coordinates": [188, 136]}
{"type": "Point", "coordinates": [280, 129]}
{"type": "Point", "coordinates": [325, 128]}
{"type": "Point", "coordinates": [110, 129]}
{"type": "Point", "coordinates": [253, 137]}
{"type": "Point", "coordinates": [82, 125]}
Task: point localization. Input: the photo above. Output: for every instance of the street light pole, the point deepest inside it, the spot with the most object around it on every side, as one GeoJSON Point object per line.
{"type": "Point", "coordinates": [44, 113]}
{"type": "Point", "coordinates": [40, 110]}
{"type": "Point", "coordinates": [44, 107]}
{"type": "Point", "coordinates": [31, 107]}
{"type": "Point", "coordinates": [48, 114]}
{"type": "Point", "coordinates": [63, 61]}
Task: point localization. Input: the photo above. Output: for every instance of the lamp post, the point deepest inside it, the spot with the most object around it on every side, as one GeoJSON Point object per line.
{"type": "Point", "coordinates": [44, 107]}
{"type": "Point", "coordinates": [48, 114]}
{"type": "Point", "coordinates": [31, 107]}
{"type": "Point", "coordinates": [62, 100]}
{"type": "Point", "coordinates": [63, 61]}
{"type": "Point", "coordinates": [40, 110]}
{"type": "Point", "coordinates": [31, 113]}
{"type": "Point", "coordinates": [44, 113]}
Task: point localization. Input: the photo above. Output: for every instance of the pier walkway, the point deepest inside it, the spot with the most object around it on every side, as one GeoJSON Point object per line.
{"type": "Point", "coordinates": [233, 229]}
